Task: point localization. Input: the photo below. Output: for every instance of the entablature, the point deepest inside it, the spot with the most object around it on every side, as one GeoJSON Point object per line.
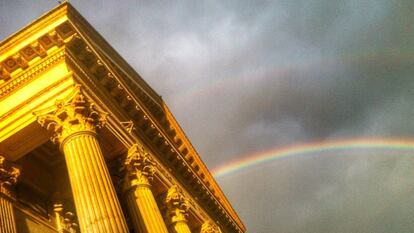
{"type": "Point", "coordinates": [15, 64]}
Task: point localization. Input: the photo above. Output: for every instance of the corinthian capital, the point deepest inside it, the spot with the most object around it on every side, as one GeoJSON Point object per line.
{"type": "Point", "coordinates": [71, 115]}
{"type": "Point", "coordinates": [8, 176]}
{"type": "Point", "coordinates": [177, 205]}
{"type": "Point", "coordinates": [139, 166]}
{"type": "Point", "coordinates": [209, 227]}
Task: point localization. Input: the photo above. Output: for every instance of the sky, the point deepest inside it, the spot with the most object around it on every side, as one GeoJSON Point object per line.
{"type": "Point", "coordinates": [245, 78]}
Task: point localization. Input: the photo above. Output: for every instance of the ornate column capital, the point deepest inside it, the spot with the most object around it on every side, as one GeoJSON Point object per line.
{"type": "Point", "coordinates": [8, 176]}
{"type": "Point", "coordinates": [71, 115]}
{"type": "Point", "coordinates": [209, 227]}
{"type": "Point", "coordinates": [139, 166]}
{"type": "Point", "coordinates": [177, 205]}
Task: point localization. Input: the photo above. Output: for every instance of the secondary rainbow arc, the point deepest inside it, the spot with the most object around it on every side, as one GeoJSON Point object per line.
{"type": "Point", "coordinates": [255, 159]}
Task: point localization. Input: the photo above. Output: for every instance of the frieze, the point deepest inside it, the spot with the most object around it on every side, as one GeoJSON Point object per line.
{"type": "Point", "coordinates": [24, 78]}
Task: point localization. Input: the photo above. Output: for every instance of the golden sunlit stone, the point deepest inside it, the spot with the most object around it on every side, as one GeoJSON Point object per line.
{"type": "Point", "coordinates": [93, 147]}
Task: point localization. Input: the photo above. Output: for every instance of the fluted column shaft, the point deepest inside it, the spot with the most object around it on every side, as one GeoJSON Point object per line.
{"type": "Point", "coordinates": [144, 211]}
{"type": "Point", "coordinates": [7, 222]}
{"type": "Point", "coordinates": [96, 202]}
{"type": "Point", "coordinates": [181, 227]}
{"type": "Point", "coordinates": [74, 121]}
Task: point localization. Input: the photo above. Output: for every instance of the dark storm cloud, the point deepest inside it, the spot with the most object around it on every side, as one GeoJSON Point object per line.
{"type": "Point", "coordinates": [245, 77]}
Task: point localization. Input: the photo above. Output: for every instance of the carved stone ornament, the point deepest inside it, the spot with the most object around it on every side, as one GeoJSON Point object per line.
{"type": "Point", "coordinates": [139, 166]}
{"type": "Point", "coordinates": [8, 176]}
{"type": "Point", "coordinates": [209, 227]}
{"type": "Point", "coordinates": [71, 115]}
{"type": "Point", "coordinates": [66, 223]}
{"type": "Point", "coordinates": [177, 205]}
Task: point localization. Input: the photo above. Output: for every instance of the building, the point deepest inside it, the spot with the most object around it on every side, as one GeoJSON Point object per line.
{"type": "Point", "coordinates": [87, 146]}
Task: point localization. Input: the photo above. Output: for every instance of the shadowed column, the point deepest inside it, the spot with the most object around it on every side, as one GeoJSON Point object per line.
{"type": "Point", "coordinates": [145, 214]}
{"type": "Point", "coordinates": [8, 178]}
{"type": "Point", "coordinates": [74, 122]}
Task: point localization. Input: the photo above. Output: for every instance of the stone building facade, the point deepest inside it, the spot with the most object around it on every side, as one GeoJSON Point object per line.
{"type": "Point", "coordinates": [86, 145]}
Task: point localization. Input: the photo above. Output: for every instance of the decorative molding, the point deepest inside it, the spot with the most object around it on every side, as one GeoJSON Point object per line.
{"type": "Point", "coordinates": [129, 125]}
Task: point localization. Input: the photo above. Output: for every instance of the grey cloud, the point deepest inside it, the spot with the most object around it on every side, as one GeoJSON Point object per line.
{"type": "Point", "coordinates": [245, 77]}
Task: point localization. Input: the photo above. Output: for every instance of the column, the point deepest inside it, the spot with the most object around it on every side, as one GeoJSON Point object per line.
{"type": "Point", "coordinates": [8, 178]}
{"type": "Point", "coordinates": [209, 227]}
{"type": "Point", "coordinates": [145, 214]}
{"type": "Point", "coordinates": [74, 122]}
{"type": "Point", "coordinates": [177, 210]}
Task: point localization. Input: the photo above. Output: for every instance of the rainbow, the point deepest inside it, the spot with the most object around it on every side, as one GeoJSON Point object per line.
{"type": "Point", "coordinates": [320, 146]}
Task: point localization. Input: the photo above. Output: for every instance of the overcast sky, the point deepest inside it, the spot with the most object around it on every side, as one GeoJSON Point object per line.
{"type": "Point", "coordinates": [248, 76]}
